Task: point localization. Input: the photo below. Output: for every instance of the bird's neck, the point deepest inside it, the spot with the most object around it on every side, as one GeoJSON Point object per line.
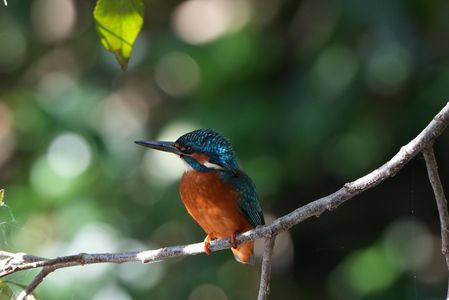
{"type": "Point", "coordinates": [204, 165]}
{"type": "Point", "coordinates": [194, 165]}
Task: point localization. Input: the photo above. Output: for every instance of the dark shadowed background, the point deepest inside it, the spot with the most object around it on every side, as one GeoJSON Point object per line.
{"type": "Point", "coordinates": [311, 93]}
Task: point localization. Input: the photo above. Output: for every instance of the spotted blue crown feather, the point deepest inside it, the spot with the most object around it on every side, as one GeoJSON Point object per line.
{"type": "Point", "coordinates": [213, 144]}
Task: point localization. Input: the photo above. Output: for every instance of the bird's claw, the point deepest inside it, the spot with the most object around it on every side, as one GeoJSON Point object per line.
{"type": "Point", "coordinates": [207, 244]}
{"type": "Point", "coordinates": [206, 248]}
{"type": "Point", "coordinates": [233, 241]}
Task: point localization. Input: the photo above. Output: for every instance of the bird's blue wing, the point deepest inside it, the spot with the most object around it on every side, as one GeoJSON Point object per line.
{"type": "Point", "coordinates": [248, 201]}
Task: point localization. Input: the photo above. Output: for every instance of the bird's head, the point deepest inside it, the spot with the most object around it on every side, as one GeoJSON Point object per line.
{"type": "Point", "coordinates": [202, 149]}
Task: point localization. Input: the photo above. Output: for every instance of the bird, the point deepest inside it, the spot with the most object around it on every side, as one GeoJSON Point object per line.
{"type": "Point", "coordinates": [218, 195]}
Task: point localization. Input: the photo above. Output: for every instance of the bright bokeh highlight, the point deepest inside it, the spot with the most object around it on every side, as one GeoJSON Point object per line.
{"type": "Point", "coordinates": [69, 155]}
{"type": "Point", "coordinates": [202, 21]}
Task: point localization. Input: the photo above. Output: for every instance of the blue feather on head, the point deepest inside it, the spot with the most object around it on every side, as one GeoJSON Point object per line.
{"type": "Point", "coordinates": [208, 142]}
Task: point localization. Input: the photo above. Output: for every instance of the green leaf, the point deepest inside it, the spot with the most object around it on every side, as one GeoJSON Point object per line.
{"type": "Point", "coordinates": [118, 23]}
{"type": "Point", "coordinates": [5, 291]}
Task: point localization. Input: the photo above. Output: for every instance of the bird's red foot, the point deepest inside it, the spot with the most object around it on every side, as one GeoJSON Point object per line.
{"type": "Point", "coordinates": [206, 244]}
{"type": "Point", "coordinates": [233, 241]}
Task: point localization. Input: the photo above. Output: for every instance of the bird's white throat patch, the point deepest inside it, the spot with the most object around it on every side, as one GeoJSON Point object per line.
{"type": "Point", "coordinates": [210, 165]}
{"type": "Point", "coordinates": [207, 164]}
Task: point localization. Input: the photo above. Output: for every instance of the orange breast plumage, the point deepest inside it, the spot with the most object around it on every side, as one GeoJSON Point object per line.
{"type": "Point", "coordinates": [213, 205]}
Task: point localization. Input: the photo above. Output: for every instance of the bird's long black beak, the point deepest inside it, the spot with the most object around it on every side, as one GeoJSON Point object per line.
{"type": "Point", "coordinates": [158, 145]}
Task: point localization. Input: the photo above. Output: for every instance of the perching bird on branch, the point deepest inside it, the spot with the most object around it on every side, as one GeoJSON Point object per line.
{"type": "Point", "coordinates": [216, 193]}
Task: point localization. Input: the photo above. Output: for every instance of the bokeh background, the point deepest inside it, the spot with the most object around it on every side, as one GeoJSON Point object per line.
{"type": "Point", "coordinates": [312, 94]}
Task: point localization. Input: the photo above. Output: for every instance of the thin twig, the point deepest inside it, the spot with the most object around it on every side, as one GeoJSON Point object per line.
{"type": "Point", "coordinates": [434, 178]}
{"type": "Point", "coordinates": [36, 281]}
{"type": "Point", "coordinates": [424, 140]}
{"type": "Point", "coordinates": [70, 261]}
{"type": "Point", "coordinates": [265, 274]}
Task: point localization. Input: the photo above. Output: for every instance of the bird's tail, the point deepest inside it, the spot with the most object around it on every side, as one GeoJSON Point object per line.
{"type": "Point", "coordinates": [244, 253]}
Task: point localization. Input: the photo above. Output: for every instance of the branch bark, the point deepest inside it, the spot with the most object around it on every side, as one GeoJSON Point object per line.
{"type": "Point", "coordinates": [265, 274]}
{"type": "Point", "coordinates": [434, 178]}
{"type": "Point", "coordinates": [18, 262]}
{"type": "Point", "coordinates": [36, 281]}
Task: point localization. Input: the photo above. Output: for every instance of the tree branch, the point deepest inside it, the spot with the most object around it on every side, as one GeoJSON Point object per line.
{"type": "Point", "coordinates": [434, 178]}
{"type": "Point", "coordinates": [265, 274]}
{"type": "Point", "coordinates": [18, 262]}
{"type": "Point", "coordinates": [36, 281]}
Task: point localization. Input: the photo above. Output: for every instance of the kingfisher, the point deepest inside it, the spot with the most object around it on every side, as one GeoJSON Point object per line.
{"type": "Point", "coordinates": [218, 195]}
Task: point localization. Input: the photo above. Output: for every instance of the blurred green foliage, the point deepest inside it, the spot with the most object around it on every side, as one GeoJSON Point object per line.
{"type": "Point", "coordinates": [5, 291]}
{"type": "Point", "coordinates": [311, 93]}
